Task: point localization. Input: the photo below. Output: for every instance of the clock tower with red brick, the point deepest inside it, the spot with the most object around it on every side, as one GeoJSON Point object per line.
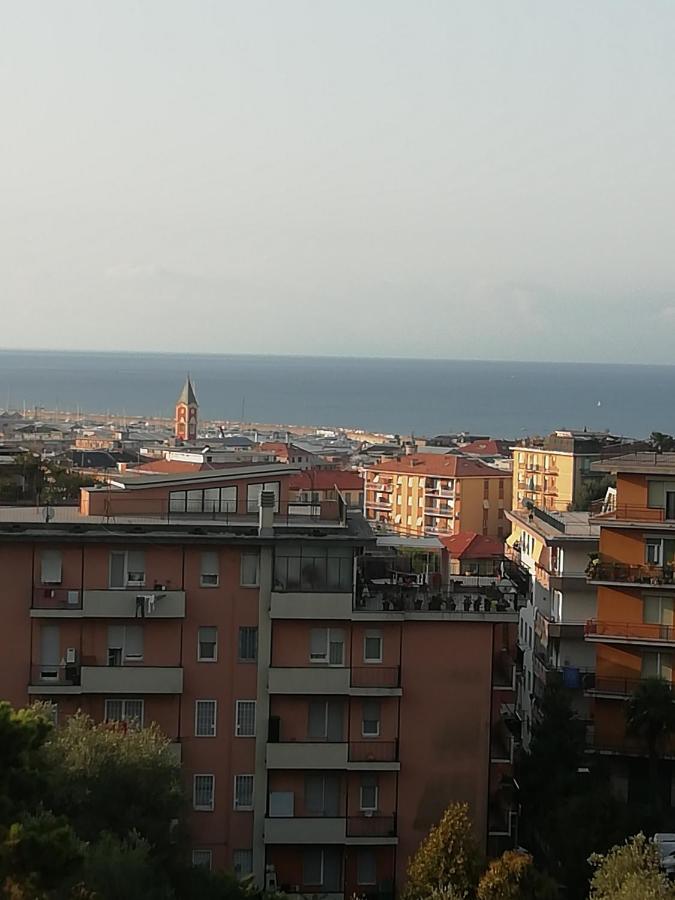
{"type": "Point", "coordinates": [186, 414]}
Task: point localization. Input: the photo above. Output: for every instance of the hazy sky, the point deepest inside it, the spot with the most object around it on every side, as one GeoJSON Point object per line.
{"type": "Point", "coordinates": [365, 177]}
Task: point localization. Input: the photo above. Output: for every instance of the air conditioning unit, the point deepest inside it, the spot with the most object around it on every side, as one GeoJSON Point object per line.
{"type": "Point", "coordinates": [71, 656]}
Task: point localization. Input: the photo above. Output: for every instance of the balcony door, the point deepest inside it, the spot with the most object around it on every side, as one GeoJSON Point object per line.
{"type": "Point", "coordinates": [50, 652]}
{"type": "Point", "coordinates": [670, 504]}
{"type": "Point", "coordinates": [658, 610]}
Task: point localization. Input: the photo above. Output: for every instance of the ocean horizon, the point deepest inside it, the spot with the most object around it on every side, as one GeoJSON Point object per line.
{"type": "Point", "coordinates": [424, 396]}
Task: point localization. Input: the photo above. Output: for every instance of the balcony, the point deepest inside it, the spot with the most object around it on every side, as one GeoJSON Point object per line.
{"type": "Point", "coordinates": [325, 755]}
{"type": "Point", "coordinates": [311, 605]}
{"type": "Point", "coordinates": [635, 514]}
{"type": "Point", "coordinates": [372, 680]}
{"type": "Point", "coordinates": [59, 602]}
{"type": "Point", "coordinates": [374, 829]}
{"type": "Point", "coordinates": [305, 830]}
{"type": "Point", "coordinates": [621, 573]}
{"type": "Point", "coordinates": [78, 679]}
{"type": "Point", "coordinates": [630, 633]}
{"type": "Point", "coordinates": [612, 687]}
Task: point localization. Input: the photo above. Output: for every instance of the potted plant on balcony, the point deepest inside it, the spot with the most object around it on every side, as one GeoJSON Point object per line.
{"type": "Point", "coordinates": [592, 566]}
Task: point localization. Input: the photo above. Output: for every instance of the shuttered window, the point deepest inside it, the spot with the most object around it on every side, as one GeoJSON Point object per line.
{"type": "Point", "coordinates": [210, 574]}
{"type": "Point", "coordinates": [245, 718]}
{"type": "Point", "coordinates": [50, 566]}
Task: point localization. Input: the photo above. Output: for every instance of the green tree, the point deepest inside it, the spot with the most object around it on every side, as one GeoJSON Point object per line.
{"type": "Point", "coordinates": [662, 443]}
{"type": "Point", "coordinates": [117, 869]}
{"type": "Point", "coordinates": [630, 872]}
{"type": "Point", "coordinates": [108, 780]}
{"type": "Point", "coordinates": [22, 778]}
{"type": "Point", "coordinates": [513, 876]}
{"type": "Point", "coordinates": [447, 859]}
{"type": "Point", "coordinates": [592, 489]}
{"type": "Point", "coordinates": [650, 716]}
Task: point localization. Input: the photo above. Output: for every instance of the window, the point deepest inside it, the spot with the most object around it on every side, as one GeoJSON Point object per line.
{"type": "Point", "coordinates": [322, 867]}
{"type": "Point", "coordinates": [326, 645]}
{"type": "Point", "coordinates": [125, 644]}
{"type": "Point", "coordinates": [128, 711]}
{"type": "Point", "coordinates": [372, 647]}
{"type": "Point", "coordinates": [304, 567]}
{"type": "Point", "coordinates": [366, 866]}
{"type": "Point", "coordinates": [657, 665]}
{"type": "Point", "coordinates": [653, 551]}
{"type": "Point", "coordinates": [253, 495]}
{"type": "Point", "coordinates": [210, 569]}
{"type": "Point", "coordinates": [242, 863]}
{"type": "Point", "coordinates": [248, 643]}
{"type": "Point", "coordinates": [127, 569]}
{"type": "Point", "coordinates": [245, 718]}
{"type": "Point", "coordinates": [325, 720]}
{"type": "Point", "coordinates": [250, 565]}
{"type": "Point", "coordinates": [202, 791]}
{"type": "Point", "coordinates": [370, 725]}
{"type": "Point", "coordinates": [50, 651]}
{"type": "Point", "coordinates": [243, 791]}
{"type": "Point", "coordinates": [208, 500]}
{"type": "Point", "coordinates": [50, 567]}
{"type": "Point", "coordinates": [322, 795]}
{"type": "Point", "coordinates": [369, 793]}
{"type": "Point", "coordinates": [205, 718]}
{"type": "Point", "coordinates": [207, 643]}
{"type": "Point", "coordinates": [658, 610]}
{"type": "Point", "coordinates": [202, 858]}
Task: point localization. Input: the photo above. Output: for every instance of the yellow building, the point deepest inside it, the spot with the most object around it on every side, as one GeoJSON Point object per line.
{"type": "Point", "coordinates": [552, 473]}
{"type": "Point", "coordinates": [430, 493]}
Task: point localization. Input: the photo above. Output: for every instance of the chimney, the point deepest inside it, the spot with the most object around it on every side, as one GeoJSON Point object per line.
{"type": "Point", "coordinates": [266, 514]}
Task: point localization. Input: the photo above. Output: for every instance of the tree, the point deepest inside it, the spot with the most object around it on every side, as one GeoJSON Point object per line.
{"type": "Point", "coordinates": [22, 735]}
{"type": "Point", "coordinates": [108, 780]}
{"type": "Point", "coordinates": [650, 716]}
{"type": "Point", "coordinates": [592, 489]}
{"type": "Point", "coordinates": [662, 443]}
{"type": "Point", "coordinates": [630, 872]}
{"type": "Point", "coordinates": [514, 877]}
{"type": "Point", "coordinates": [447, 859]}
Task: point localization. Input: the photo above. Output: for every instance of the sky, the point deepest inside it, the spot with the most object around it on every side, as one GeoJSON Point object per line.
{"type": "Point", "coordinates": [413, 178]}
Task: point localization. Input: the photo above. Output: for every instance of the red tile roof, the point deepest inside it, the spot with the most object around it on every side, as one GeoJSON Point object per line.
{"type": "Point", "coordinates": [469, 545]}
{"type": "Point", "coordinates": [441, 465]}
{"type": "Point", "coordinates": [326, 480]}
{"type": "Point", "coordinates": [487, 448]}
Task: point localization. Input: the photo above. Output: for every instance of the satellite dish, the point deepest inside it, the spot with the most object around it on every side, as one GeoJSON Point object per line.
{"type": "Point", "coordinates": [48, 513]}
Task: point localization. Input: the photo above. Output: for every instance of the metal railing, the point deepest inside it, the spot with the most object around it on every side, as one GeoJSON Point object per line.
{"type": "Point", "coordinates": [631, 574]}
{"type": "Point", "coordinates": [635, 513]}
{"type": "Point", "coordinates": [371, 826]}
{"type": "Point", "coordinates": [635, 631]}
{"type": "Point", "coordinates": [67, 675]}
{"type": "Point", "coordinates": [619, 687]}
{"type": "Point", "coordinates": [373, 751]}
{"type": "Point", "coordinates": [376, 675]}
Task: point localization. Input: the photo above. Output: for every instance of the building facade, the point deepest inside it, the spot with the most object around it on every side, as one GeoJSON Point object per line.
{"type": "Point", "coordinates": [321, 729]}
{"type": "Point", "coordinates": [429, 494]}
{"type": "Point", "coordinates": [633, 631]}
{"type": "Point", "coordinates": [554, 549]}
{"type": "Point", "coordinates": [554, 472]}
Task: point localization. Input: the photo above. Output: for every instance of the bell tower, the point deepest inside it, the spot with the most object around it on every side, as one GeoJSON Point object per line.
{"type": "Point", "coordinates": [186, 414]}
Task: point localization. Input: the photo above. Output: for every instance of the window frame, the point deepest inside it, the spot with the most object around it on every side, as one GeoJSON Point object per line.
{"type": "Point", "coordinates": [253, 629]}
{"type": "Point", "coordinates": [128, 583]}
{"type": "Point", "coordinates": [207, 659]}
{"type": "Point", "coordinates": [238, 874]}
{"type": "Point", "coordinates": [361, 853]}
{"type": "Point", "coordinates": [238, 705]}
{"type": "Point", "coordinates": [194, 791]}
{"type": "Point", "coordinates": [370, 734]}
{"type": "Point", "coordinates": [203, 574]}
{"type": "Point", "coordinates": [214, 706]}
{"type": "Point", "coordinates": [372, 634]}
{"type": "Point", "coordinates": [249, 553]}
{"type": "Point", "coordinates": [374, 787]}
{"type": "Point", "coordinates": [237, 807]}
{"type": "Point", "coordinates": [208, 860]}
{"type": "Point", "coordinates": [325, 660]}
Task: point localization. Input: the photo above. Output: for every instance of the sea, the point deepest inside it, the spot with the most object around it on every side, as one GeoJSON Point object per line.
{"type": "Point", "coordinates": [393, 396]}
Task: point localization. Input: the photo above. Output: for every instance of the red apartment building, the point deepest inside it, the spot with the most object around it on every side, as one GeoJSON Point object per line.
{"type": "Point", "coordinates": [321, 730]}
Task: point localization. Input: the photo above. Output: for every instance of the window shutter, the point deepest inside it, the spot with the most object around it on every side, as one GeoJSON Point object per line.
{"type": "Point", "coordinates": [318, 644]}
{"type": "Point", "coordinates": [337, 646]}
{"type": "Point", "coordinates": [133, 648]}
{"type": "Point", "coordinates": [316, 722]}
{"type": "Point", "coordinates": [118, 576]}
{"type": "Point", "coordinates": [50, 564]}
{"type": "Point", "coordinates": [136, 565]}
{"type": "Point", "coordinates": [115, 637]}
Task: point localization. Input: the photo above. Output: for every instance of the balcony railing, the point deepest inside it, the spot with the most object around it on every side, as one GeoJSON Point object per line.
{"type": "Point", "coordinates": [631, 574]}
{"type": "Point", "coordinates": [617, 687]}
{"type": "Point", "coordinates": [635, 513]}
{"type": "Point", "coordinates": [371, 826]}
{"type": "Point", "coordinates": [56, 598]}
{"type": "Point", "coordinates": [376, 676]}
{"type": "Point", "coordinates": [639, 632]}
{"type": "Point", "coordinates": [373, 751]}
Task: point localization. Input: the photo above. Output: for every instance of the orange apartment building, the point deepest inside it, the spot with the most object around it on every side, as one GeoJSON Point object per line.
{"type": "Point", "coordinates": [426, 494]}
{"type": "Point", "coordinates": [321, 732]}
{"type": "Point", "coordinates": [633, 632]}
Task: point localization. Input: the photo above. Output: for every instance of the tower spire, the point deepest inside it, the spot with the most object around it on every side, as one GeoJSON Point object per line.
{"type": "Point", "coordinates": [186, 413]}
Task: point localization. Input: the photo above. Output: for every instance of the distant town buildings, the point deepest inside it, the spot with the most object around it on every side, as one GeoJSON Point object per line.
{"type": "Point", "coordinates": [429, 493]}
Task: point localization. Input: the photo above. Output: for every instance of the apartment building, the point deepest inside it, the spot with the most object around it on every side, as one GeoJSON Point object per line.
{"type": "Point", "coordinates": [314, 485]}
{"type": "Point", "coordinates": [632, 632]}
{"type": "Point", "coordinates": [554, 548]}
{"type": "Point", "coordinates": [551, 473]}
{"type": "Point", "coordinates": [321, 728]}
{"type": "Point", "coordinates": [428, 494]}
